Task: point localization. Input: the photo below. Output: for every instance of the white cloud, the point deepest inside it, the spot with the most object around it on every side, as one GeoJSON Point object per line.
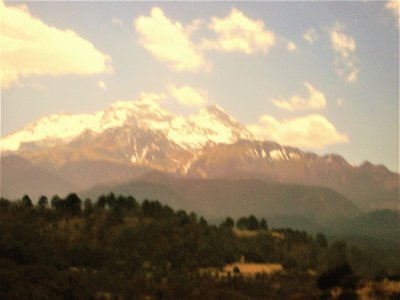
{"type": "Point", "coordinates": [344, 47]}
{"type": "Point", "coordinates": [342, 43]}
{"type": "Point", "coordinates": [101, 84]}
{"type": "Point", "coordinates": [152, 95]}
{"type": "Point", "coordinates": [237, 32]}
{"type": "Point", "coordinates": [170, 42]}
{"type": "Point", "coordinates": [315, 100]}
{"type": "Point", "coordinates": [117, 21]}
{"type": "Point", "coordinates": [188, 95]}
{"type": "Point", "coordinates": [31, 47]}
{"type": "Point", "coordinates": [291, 47]}
{"type": "Point", "coordinates": [313, 131]}
{"type": "Point", "coordinates": [310, 35]}
{"type": "Point", "coordinates": [394, 8]}
{"type": "Point", "coordinates": [194, 26]}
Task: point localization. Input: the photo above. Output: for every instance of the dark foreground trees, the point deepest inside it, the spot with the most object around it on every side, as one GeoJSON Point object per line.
{"type": "Point", "coordinates": [118, 248]}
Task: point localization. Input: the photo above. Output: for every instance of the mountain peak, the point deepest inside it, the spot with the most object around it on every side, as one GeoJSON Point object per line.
{"type": "Point", "coordinates": [148, 102]}
{"type": "Point", "coordinates": [215, 108]}
{"type": "Point", "coordinates": [144, 105]}
{"type": "Point", "coordinates": [218, 112]}
{"type": "Point", "coordinates": [210, 124]}
{"type": "Point", "coordinates": [335, 158]}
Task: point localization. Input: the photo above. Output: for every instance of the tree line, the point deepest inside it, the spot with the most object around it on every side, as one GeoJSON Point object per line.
{"type": "Point", "coordinates": [69, 248]}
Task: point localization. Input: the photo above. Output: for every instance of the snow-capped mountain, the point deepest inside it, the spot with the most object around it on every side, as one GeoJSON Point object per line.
{"type": "Point", "coordinates": [131, 138]}
{"type": "Point", "coordinates": [209, 125]}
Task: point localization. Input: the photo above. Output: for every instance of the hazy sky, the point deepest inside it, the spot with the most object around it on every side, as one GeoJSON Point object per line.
{"type": "Point", "coordinates": [320, 75]}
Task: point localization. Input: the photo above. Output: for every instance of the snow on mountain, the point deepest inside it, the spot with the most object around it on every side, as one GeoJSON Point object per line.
{"type": "Point", "coordinates": [131, 137]}
{"type": "Point", "coordinates": [65, 127]}
{"type": "Point", "coordinates": [210, 124]}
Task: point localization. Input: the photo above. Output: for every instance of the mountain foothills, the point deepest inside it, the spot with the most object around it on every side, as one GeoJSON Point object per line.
{"type": "Point", "coordinates": [216, 198]}
{"type": "Point", "coordinates": [211, 163]}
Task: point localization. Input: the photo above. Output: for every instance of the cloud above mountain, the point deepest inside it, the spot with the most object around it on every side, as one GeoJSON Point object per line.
{"type": "Point", "coordinates": [315, 100]}
{"type": "Point", "coordinates": [312, 131]}
{"type": "Point", "coordinates": [189, 96]}
{"type": "Point", "coordinates": [117, 21]}
{"type": "Point", "coordinates": [291, 47]}
{"type": "Point", "coordinates": [101, 85]}
{"type": "Point", "coordinates": [237, 32]}
{"type": "Point", "coordinates": [170, 42]}
{"type": "Point", "coordinates": [31, 47]}
{"type": "Point", "coordinates": [344, 48]}
{"type": "Point", "coordinates": [310, 35]}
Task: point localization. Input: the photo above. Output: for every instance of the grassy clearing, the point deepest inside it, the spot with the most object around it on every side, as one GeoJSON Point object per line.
{"type": "Point", "coordinates": [251, 269]}
{"type": "Point", "coordinates": [253, 233]}
{"type": "Point", "coordinates": [245, 269]}
{"type": "Point", "coordinates": [379, 290]}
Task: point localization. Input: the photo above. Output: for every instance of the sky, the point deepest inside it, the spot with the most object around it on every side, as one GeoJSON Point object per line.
{"type": "Point", "coordinates": [322, 76]}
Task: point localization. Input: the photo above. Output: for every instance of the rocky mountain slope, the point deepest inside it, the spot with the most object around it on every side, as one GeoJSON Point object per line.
{"type": "Point", "coordinates": [129, 139]}
{"type": "Point", "coordinates": [367, 185]}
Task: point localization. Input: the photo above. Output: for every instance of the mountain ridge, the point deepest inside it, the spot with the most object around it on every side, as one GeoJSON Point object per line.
{"type": "Point", "coordinates": [210, 124]}
{"type": "Point", "coordinates": [19, 176]}
{"type": "Point", "coordinates": [216, 198]}
{"type": "Point", "coordinates": [128, 139]}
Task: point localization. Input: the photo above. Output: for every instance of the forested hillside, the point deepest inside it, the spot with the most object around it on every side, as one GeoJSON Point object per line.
{"type": "Point", "coordinates": [66, 248]}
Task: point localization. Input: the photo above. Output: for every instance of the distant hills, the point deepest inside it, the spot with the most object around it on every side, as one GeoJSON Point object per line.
{"type": "Point", "coordinates": [214, 198]}
{"type": "Point", "coordinates": [382, 224]}
{"type": "Point", "coordinates": [217, 198]}
{"type": "Point", "coordinates": [19, 176]}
